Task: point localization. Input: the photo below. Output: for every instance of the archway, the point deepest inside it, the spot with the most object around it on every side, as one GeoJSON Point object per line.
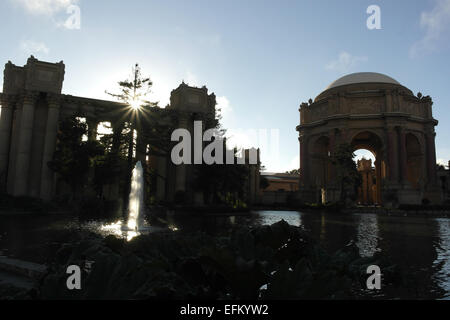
{"type": "Point", "coordinates": [372, 171]}
{"type": "Point", "coordinates": [365, 164]}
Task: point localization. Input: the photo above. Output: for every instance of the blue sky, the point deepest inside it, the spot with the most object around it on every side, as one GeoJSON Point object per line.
{"type": "Point", "coordinates": [261, 58]}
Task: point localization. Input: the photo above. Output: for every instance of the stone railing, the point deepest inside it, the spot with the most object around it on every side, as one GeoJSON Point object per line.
{"type": "Point", "coordinates": [364, 104]}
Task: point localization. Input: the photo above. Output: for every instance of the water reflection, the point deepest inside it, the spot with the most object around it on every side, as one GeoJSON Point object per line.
{"type": "Point", "coordinates": [368, 235]}
{"type": "Point", "coordinates": [442, 262]}
{"type": "Point", "coordinates": [323, 229]}
{"type": "Point", "coordinates": [333, 231]}
{"type": "Point", "coordinates": [271, 217]}
{"type": "Point", "coordinates": [120, 229]}
{"type": "Point", "coordinates": [419, 245]}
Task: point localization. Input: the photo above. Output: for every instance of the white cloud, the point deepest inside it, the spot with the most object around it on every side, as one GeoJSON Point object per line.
{"type": "Point", "coordinates": [442, 162]}
{"type": "Point", "coordinates": [281, 165]}
{"type": "Point", "coordinates": [191, 79]}
{"type": "Point", "coordinates": [63, 13]}
{"type": "Point", "coordinates": [436, 24]}
{"type": "Point", "coordinates": [295, 163]}
{"type": "Point", "coordinates": [241, 138]}
{"type": "Point", "coordinates": [45, 7]}
{"type": "Point", "coordinates": [160, 92]}
{"type": "Point", "coordinates": [345, 62]}
{"type": "Point", "coordinates": [267, 140]}
{"type": "Point", "coordinates": [33, 47]}
{"type": "Point", "coordinates": [225, 108]}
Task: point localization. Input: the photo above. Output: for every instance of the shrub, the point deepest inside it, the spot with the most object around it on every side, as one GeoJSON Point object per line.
{"type": "Point", "coordinates": [180, 197]}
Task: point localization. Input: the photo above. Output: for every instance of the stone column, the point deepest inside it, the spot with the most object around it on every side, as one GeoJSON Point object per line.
{"type": "Point", "coordinates": [304, 174]}
{"type": "Point", "coordinates": [370, 198]}
{"type": "Point", "coordinates": [344, 135]}
{"type": "Point", "coordinates": [431, 157]}
{"type": "Point", "coordinates": [342, 105]}
{"type": "Point", "coordinates": [47, 175]}
{"type": "Point", "coordinates": [180, 179]}
{"type": "Point", "coordinates": [6, 118]}
{"type": "Point", "coordinates": [393, 154]}
{"type": "Point", "coordinates": [15, 134]}
{"type": "Point", "coordinates": [403, 159]}
{"type": "Point", "coordinates": [332, 149]}
{"type": "Point", "coordinates": [378, 178]}
{"type": "Point", "coordinates": [24, 146]}
{"type": "Point", "coordinates": [388, 101]}
{"type": "Point", "coordinates": [92, 129]}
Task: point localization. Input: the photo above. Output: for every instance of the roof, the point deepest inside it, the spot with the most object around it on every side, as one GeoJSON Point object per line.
{"type": "Point", "coordinates": [362, 77]}
{"type": "Point", "coordinates": [281, 176]}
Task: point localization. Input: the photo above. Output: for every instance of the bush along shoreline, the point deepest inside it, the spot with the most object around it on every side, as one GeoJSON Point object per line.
{"type": "Point", "coordinates": [270, 262]}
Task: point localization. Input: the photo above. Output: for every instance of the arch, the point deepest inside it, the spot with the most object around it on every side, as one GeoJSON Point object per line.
{"type": "Point", "coordinates": [370, 140]}
{"type": "Point", "coordinates": [367, 139]}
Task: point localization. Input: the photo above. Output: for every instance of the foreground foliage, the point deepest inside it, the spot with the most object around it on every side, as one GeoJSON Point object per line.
{"type": "Point", "coordinates": [270, 262]}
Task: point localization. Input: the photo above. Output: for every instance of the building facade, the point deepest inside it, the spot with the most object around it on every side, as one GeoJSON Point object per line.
{"type": "Point", "coordinates": [281, 189]}
{"type": "Point", "coordinates": [375, 112]}
{"type": "Point", "coordinates": [32, 107]}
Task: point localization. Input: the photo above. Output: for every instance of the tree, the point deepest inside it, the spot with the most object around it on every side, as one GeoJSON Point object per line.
{"type": "Point", "coordinates": [346, 172]}
{"type": "Point", "coordinates": [222, 183]}
{"type": "Point", "coordinates": [263, 182]}
{"type": "Point", "coordinates": [74, 157]}
{"type": "Point", "coordinates": [133, 93]}
{"type": "Point", "coordinates": [295, 171]}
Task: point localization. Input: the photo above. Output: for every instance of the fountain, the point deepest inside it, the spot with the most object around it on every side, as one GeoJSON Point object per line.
{"type": "Point", "coordinates": [136, 200]}
{"type": "Point", "coordinates": [135, 224]}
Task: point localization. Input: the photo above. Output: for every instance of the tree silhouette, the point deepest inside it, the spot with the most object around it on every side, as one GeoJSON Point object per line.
{"type": "Point", "coordinates": [133, 92]}
{"type": "Point", "coordinates": [346, 172]}
{"type": "Point", "coordinates": [74, 157]}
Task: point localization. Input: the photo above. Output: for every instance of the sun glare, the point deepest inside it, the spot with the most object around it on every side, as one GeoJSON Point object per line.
{"type": "Point", "coordinates": [135, 104]}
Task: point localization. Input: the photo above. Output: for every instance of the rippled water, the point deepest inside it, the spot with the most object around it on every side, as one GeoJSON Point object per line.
{"type": "Point", "coordinates": [420, 245]}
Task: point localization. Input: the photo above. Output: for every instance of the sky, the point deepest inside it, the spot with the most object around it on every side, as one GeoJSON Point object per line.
{"type": "Point", "coordinates": [261, 58]}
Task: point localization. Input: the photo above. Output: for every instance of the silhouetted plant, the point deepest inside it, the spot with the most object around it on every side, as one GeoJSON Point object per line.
{"type": "Point", "coordinates": [74, 157]}
{"type": "Point", "coordinates": [346, 172]}
{"type": "Point", "coordinates": [235, 265]}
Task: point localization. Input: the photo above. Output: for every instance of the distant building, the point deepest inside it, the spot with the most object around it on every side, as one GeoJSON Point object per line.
{"type": "Point", "coordinates": [443, 174]}
{"type": "Point", "coordinates": [281, 187]}
{"type": "Point", "coordinates": [282, 182]}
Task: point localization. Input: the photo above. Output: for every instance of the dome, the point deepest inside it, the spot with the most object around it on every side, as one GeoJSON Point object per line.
{"type": "Point", "coordinates": [362, 77]}
{"type": "Point", "coordinates": [359, 78]}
